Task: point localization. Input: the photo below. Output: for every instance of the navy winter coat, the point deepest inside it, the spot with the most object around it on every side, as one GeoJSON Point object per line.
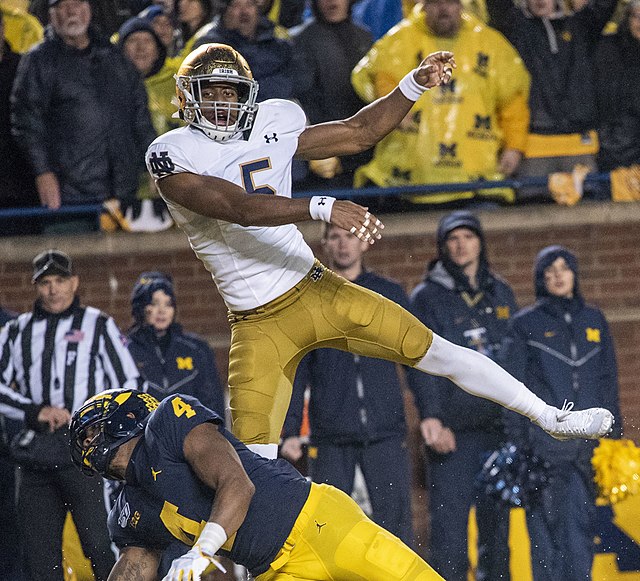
{"type": "Point", "coordinates": [476, 320]}
{"type": "Point", "coordinates": [187, 366]}
{"type": "Point", "coordinates": [561, 349]}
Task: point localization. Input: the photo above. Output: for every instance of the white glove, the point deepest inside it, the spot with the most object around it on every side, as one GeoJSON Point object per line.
{"type": "Point", "coordinates": [192, 565]}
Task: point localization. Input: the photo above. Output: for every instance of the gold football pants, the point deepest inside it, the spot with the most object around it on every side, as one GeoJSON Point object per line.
{"type": "Point", "coordinates": [322, 310]}
{"type": "Point", "coordinates": [333, 540]}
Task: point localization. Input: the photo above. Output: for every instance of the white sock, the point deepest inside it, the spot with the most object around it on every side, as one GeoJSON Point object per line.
{"type": "Point", "coordinates": [482, 377]}
{"type": "Point", "coordinates": [266, 450]}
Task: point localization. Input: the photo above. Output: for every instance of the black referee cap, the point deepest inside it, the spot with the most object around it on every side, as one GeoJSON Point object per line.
{"type": "Point", "coordinates": [52, 262]}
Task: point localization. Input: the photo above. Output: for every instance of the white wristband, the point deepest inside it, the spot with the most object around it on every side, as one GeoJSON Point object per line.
{"type": "Point", "coordinates": [211, 538]}
{"type": "Point", "coordinates": [410, 88]}
{"type": "Point", "coordinates": [320, 207]}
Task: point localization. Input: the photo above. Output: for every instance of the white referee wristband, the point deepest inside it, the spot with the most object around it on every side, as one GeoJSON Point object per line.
{"type": "Point", "coordinates": [320, 207]}
{"type": "Point", "coordinates": [410, 88]}
{"type": "Point", "coordinates": [211, 538]}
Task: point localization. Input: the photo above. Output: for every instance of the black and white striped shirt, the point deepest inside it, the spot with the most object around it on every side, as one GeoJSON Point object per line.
{"type": "Point", "coordinates": [61, 360]}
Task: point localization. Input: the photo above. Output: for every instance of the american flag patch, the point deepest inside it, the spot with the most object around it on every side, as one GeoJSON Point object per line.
{"type": "Point", "coordinates": [74, 336]}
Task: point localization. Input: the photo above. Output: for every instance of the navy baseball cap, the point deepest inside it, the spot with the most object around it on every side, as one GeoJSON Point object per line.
{"type": "Point", "coordinates": [52, 262]}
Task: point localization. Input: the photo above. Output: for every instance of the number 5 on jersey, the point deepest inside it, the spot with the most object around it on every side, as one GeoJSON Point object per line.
{"type": "Point", "coordinates": [248, 169]}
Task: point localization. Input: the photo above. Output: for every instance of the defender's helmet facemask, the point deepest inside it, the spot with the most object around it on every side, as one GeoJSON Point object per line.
{"type": "Point", "coordinates": [216, 63]}
{"type": "Point", "coordinates": [107, 420]}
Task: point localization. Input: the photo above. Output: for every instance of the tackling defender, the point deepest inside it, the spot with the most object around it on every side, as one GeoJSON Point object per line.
{"type": "Point", "coordinates": [226, 178]}
{"type": "Point", "coordinates": [193, 490]}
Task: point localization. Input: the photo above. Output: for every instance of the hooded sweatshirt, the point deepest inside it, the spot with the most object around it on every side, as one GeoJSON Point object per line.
{"type": "Point", "coordinates": [473, 317]}
{"type": "Point", "coordinates": [561, 348]}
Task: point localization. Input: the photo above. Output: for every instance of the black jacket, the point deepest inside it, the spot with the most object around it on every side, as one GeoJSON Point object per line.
{"type": "Point", "coordinates": [83, 115]}
{"type": "Point", "coordinates": [17, 186]}
{"type": "Point", "coordinates": [618, 92]}
{"type": "Point", "coordinates": [183, 363]}
{"type": "Point", "coordinates": [337, 414]}
{"type": "Point", "coordinates": [559, 53]}
{"type": "Point", "coordinates": [331, 51]}
{"type": "Point", "coordinates": [474, 319]}
{"type": "Point", "coordinates": [272, 60]}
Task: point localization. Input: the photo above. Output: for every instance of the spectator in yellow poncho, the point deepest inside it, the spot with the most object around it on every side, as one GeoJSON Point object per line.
{"type": "Point", "coordinates": [475, 128]}
{"type": "Point", "coordinates": [21, 29]}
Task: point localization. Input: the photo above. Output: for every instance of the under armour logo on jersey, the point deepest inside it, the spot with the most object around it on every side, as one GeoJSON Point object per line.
{"type": "Point", "coordinates": [274, 137]}
{"type": "Point", "coordinates": [161, 165]}
{"type": "Point", "coordinates": [316, 273]}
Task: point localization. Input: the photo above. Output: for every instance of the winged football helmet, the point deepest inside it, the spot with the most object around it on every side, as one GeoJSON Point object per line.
{"type": "Point", "coordinates": [108, 420]}
{"type": "Point", "coordinates": [216, 63]}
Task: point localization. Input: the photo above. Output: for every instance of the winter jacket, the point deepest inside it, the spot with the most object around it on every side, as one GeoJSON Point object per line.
{"type": "Point", "coordinates": [272, 60]}
{"type": "Point", "coordinates": [330, 53]}
{"type": "Point", "coordinates": [337, 414]}
{"type": "Point", "coordinates": [559, 53]}
{"type": "Point", "coordinates": [187, 365]}
{"type": "Point", "coordinates": [561, 349]}
{"type": "Point", "coordinates": [17, 185]}
{"type": "Point", "coordinates": [474, 319]}
{"type": "Point", "coordinates": [458, 129]}
{"type": "Point", "coordinates": [617, 73]}
{"type": "Point", "coordinates": [83, 115]}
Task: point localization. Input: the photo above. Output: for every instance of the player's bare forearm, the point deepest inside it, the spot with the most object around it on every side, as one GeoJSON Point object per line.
{"type": "Point", "coordinates": [375, 121]}
{"type": "Point", "coordinates": [217, 465]}
{"type": "Point", "coordinates": [135, 564]}
{"type": "Point", "coordinates": [358, 133]}
{"type": "Point", "coordinates": [223, 200]}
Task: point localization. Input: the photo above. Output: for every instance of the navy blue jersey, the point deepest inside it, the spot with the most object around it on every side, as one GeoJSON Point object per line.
{"type": "Point", "coordinates": [164, 501]}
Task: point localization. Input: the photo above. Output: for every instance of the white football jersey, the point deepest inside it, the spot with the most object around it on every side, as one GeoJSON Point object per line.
{"type": "Point", "coordinates": [250, 265]}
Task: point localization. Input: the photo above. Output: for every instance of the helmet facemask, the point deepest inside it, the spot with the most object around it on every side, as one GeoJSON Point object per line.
{"type": "Point", "coordinates": [219, 65]}
{"type": "Point", "coordinates": [107, 420]}
{"type": "Point", "coordinates": [229, 118]}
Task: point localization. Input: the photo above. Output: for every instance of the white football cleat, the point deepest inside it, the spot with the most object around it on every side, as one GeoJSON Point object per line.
{"type": "Point", "coordinates": [591, 424]}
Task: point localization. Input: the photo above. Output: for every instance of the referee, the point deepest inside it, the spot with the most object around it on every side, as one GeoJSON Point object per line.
{"type": "Point", "coordinates": [55, 357]}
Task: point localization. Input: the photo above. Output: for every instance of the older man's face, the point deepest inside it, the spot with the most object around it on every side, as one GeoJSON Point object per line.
{"type": "Point", "coordinates": [70, 18]}
{"type": "Point", "coordinates": [443, 17]}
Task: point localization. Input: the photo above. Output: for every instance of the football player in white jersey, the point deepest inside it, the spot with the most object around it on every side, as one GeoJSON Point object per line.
{"type": "Point", "coordinates": [226, 178]}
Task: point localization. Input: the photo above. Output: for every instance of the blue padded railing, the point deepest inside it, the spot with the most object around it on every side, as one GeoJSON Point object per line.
{"type": "Point", "coordinates": [345, 194]}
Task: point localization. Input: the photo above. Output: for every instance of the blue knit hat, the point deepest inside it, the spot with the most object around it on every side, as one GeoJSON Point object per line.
{"type": "Point", "coordinates": [145, 286]}
{"type": "Point", "coordinates": [545, 258]}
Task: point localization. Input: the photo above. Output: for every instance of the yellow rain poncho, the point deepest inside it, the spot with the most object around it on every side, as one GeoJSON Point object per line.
{"type": "Point", "coordinates": [456, 132]}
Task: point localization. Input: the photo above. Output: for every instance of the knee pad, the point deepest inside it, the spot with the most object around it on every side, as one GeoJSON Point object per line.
{"type": "Point", "coordinates": [373, 553]}
{"type": "Point", "coordinates": [416, 341]}
{"type": "Point", "coordinates": [356, 304]}
{"type": "Point", "coordinates": [390, 554]}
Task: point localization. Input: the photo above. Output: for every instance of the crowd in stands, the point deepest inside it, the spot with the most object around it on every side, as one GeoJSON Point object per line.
{"type": "Point", "coordinates": [543, 88]}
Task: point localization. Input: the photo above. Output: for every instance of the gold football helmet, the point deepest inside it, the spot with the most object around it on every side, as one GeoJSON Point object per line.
{"type": "Point", "coordinates": [211, 64]}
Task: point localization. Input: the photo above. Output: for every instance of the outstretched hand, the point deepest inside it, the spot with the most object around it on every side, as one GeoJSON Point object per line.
{"type": "Point", "coordinates": [436, 69]}
{"type": "Point", "coordinates": [357, 220]}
